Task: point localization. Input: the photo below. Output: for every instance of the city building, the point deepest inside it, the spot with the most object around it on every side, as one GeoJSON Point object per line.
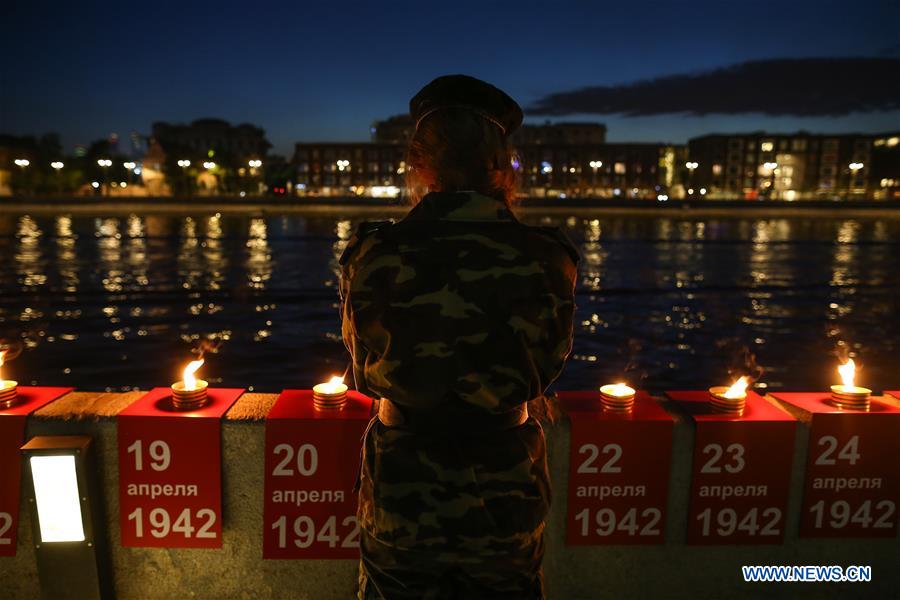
{"type": "Point", "coordinates": [551, 170]}
{"type": "Point", "coordinates": [560, 134]}
{"type": "Point", "coordinates": [393, 130]}
{"type": "Point", "coordinates": [786, 166]}
{"type": "Point", "coordinates": [214, 139]}
{"type": "Point", "coordinates": [616, 170]}
{"type": "Point", "coordinates": [554, 160]}
{"type": "Point", "coordinates": [399, 128]}
{"type": "Point", "coordinates": [355, 168]}
{"type": "Point", "coordinates": [884, 176]}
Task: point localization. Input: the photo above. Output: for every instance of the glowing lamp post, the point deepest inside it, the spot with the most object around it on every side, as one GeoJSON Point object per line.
{"type": "Point", "coordinates": [190, 392]}
{"type": "Point", "coordinates": [331, 395]}
{"type": "Point", "coordinates": [731, 400]}
{"type": "Point", "coordinates": [8, 388]}
{"type": "Point", "coordinates": [617, 397]}
{"type": "Point", "coordinates": [847, 394]}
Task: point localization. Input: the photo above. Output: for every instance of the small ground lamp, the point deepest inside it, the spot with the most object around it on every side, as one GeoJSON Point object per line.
{"type": "Point", "coordinates": [8, 389]}
{"type": "Point", "coordinates": [67, 525]}
{"type": "Point", "coordinates": [731, 400]}
{"type": "Point", "coordinates": [849, 395]}
{"type": "Point", "coordinates": [331, 395]}
{"type": "Point", "coordinates": [617, 397]}
{"type": "Point", "coordinates": [190, 392]}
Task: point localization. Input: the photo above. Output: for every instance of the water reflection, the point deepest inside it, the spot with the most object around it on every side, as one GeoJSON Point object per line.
{"type": "Point", "coordinates": [66, 255]}
{"type": "Point", "coordinates": [259, 255]}
{"type": "Point", "coordinates": [29, 256]}
{"type": "Point", "coordinates": [124, 297]}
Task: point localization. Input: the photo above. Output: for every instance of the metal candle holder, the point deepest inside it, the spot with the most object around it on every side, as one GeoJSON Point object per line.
{"type": "Point", "coordinates": [9, 393]}
{"type": "Point", "coordinates": [184, 399]}
{"type": "Point", "coordinates": [851, 397]}
{"type": "Point", "coordinates": [720, 403]}
{"type": "Point", "coordinates": [329, 396]}
{"type": "Point", "coordinates": [616, 402]}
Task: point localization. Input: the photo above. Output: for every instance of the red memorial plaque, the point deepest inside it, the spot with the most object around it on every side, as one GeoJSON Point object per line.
{"type": "Point", "coordinates": [852, 482]}
{"type": "Point", "coordinates": [312, 457]}
{"type": "Point", "coordinates": [618, 471]}
{"type": "Point", "coordinates": [740, 473]}
{"type": "Point", "coordinates": [170, 471]}
{"type": "Point", "coordinates": [12, 436]}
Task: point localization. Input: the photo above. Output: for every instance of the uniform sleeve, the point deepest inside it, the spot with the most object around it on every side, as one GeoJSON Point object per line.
{"type": "Point", "coordinates": [349, 334]}
{"type": "Point", "coordinates": [557, 321]}
{"type": "Point", "coordinates": [356, 348]}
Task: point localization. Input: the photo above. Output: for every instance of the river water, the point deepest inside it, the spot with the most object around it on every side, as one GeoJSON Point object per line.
{"type": "Point", "coordinates": [117, 302]}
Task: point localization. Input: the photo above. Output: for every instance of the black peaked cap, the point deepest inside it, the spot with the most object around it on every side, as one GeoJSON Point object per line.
{"type": "Point", "coordinates": [467, 92]}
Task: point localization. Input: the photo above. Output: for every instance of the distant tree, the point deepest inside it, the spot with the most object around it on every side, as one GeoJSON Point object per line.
{"type": "Point", "coordinates": [277, 172]}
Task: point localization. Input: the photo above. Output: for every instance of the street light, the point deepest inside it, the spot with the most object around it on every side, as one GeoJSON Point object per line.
{"type": "Point", "coordinates": [184, 163]}
{"type": "Point", "coordinates": [104, 163]}
{"type": "Point", "coordinates": [254, 164]}
{"type": "Point", "coordinates": [691, 165]}
{"type": "Point", "coordinates": [594, 165]}
{"type": "Point", "coordinates": [209, 164]}
{"type": "Point", "coordinates": [22, 162]}
{"type": "Point", "coordinates": [343, 165]}
{"type": "Point", "coordinates": [770, 167]}
{"type": "Point", "coordinates": [56, 165]}
{"type": "Point", "coordinates": [855, 167]}
{"type": "Point", "coordinates": [131, 166]}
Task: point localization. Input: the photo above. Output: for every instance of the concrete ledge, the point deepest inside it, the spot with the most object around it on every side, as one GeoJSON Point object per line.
{"type": "Point", "coordinates": [672, 570]}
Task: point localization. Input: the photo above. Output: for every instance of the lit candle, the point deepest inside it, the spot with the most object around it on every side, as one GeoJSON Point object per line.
{"type": "Point", "coordinates": [190, 392]}
{"type": "Point", "coordinates": [731, 399]}
{"type": "Point", "coordinates": [331, 394]}
{"type": "Point", "coordinates": [617, 397]}
{"type": "Point", "coordinates": [8, 388]}
{"type": "Point", "coordinates": [848, 394]}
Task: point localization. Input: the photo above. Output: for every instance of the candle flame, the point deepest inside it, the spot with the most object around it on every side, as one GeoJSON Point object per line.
{"type": "Point", "coordinates": [190, 382]}
{"type": "Point", "coordinates": [847, 372]}
{"type": "Point", "coordinates": [2, 355]}
{"type": "Point", "coordinates": [738, 389]}
{"type": "Point", "coordinates": [620, 389]}
{"type": "Point", "coordinates": [332, 385]}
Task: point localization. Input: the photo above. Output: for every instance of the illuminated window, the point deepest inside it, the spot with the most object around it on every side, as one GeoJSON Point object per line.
{"type": "Point", "coordinates": [717, 169]}
{"type": "Point", "coordinates": [767, 146]}
{"type": "Point", "coordinates": [619, 168]}
{"type": "Point", "coordinates": [798, 145]}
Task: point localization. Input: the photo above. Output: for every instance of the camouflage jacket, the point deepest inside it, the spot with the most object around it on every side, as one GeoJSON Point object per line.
{"type": "Point", "coordinates": [458, 306]}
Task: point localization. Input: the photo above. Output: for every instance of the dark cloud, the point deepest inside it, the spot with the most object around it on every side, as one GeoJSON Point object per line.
{"type": "Point", "coordinates": [808, 87]}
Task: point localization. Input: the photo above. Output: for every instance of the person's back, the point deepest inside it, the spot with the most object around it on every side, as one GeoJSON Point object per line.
{"type": "Point", "coordinates": [456, 317]}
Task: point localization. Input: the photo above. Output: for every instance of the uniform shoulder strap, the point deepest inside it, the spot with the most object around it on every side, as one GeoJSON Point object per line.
{"type": "Point", "coordinates": [364, 229]}
{"type": "Point", "coordinates": [557, 234]}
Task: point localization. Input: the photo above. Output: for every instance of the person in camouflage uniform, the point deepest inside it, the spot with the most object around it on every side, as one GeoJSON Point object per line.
{"type": "Point", "coordinates": [458, 315]}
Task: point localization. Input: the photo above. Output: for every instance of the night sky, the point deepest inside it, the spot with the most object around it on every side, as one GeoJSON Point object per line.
{"type": "Point", "coordinates": [324, 71]}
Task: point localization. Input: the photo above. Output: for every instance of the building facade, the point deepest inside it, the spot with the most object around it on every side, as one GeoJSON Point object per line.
{"type": "Point", "coordinates": [343, 169]}
{"type": "Point", "coordinates": [552, 160]}
{"type": "Point", "coordinates": [545, 170]}
{"type": "Point", "coordinates": [212, 138]}
{"type": "Point", "coordinates": [789, 166]}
